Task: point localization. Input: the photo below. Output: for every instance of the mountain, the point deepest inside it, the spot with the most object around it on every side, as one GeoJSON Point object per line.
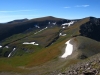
{"type": "Point", "coordinates": [19, 26]}
{"type": "Point", "coordinates": [38, 46]}
{"type": "Point", "coordinates": [18, 21]}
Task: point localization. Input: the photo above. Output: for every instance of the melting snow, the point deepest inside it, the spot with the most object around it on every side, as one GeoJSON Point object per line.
{"type": "Point", "coordinates": [60, 34]}
{"type": "Point", "coordinates": [11, 52]}
{"type": "Point", "coordinates": [63, 35]}
{"type": "Point", "coordinates": [68, 50]}
{"type": "Point", "coordinates": [54, 23]}
{"type": "Point", "coordinates": [7, 46]}
{"type": "Point", "coordinates": [40, 30]}
{"type": "Point", "coordinates": [63, 27]}
{"type": "Point", "coordinates": [49, 23]}
{"type": "Point", "coordinates": [0, 46]}
{"type": "Point", "coordinates": [33, 43]}
{"type": "Point", "coordinates": [69, 24]}
{"type": "Point", "coordinates": [37, 26]}
{"type": "Point", "coordinates": [46, 27]}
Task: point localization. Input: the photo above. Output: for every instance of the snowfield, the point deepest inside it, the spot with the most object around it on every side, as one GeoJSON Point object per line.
{"type": "Point", "coordinates": [33, 43]}
{"type": "Point", "coordinates": [0, 46]}
{"type": "Point", "coordinates": [69, 24]}
{"type": "Point", "coordinates": [68, 50]}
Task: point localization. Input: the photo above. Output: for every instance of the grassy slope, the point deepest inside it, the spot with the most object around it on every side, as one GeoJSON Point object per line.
{"type": "Point", "coordinates": [88, 46]}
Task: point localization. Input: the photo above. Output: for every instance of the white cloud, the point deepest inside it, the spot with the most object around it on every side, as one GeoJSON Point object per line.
{"type": "Point", "coordinates": [15, 11]}
{"type": "Point", "coordinates": [67, 7]}
{"type": "Point", "coordinates": [78, 6]}
{"type": "Point", "coordinates": [85, 5]}
{"type": "Point", "coordinates": [82, 5]}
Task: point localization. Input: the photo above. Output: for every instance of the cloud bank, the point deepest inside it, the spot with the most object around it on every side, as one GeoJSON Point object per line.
{"type": "Point", "coordinates": [82, 5]}
{"type": "Point", "coordinates": [67, 7]}
{"type": "Point", "coordinates": [86, 5]}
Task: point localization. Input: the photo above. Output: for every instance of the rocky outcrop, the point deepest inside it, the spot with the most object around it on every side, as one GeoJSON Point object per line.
{"type": "Point", "coordinates": [90, 66]}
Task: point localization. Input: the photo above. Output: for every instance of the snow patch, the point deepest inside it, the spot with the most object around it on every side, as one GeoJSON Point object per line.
{"type": "Point", "coordinates": [40, 30]}
{"type": "Point", "coordinates": [68, 49]}
{"type": "Point", "coordinates": [37, 26]}
{"type": "Point", "coordinates": [7, 46]}
{"type": "Point", "coordinates": [60, 34]}
{"type": "Point", "coordinates": [69, 24]}
{"type": "Point", "coordinates": [0, 46]}
{"type": "Point", "coordinates": [63, 35]}
{"type": "Point", "coordinates": [46, 27]}
{"type": "Point", "coordinates": [48, 22]}
{"type": "Point", "coordinates": [11, 52]}
{"type": "Point", "coordinates": [33, 43]}
{"type": "Point", "coordinates": [54, 23]}
{"type": "Point", "coordinates": [63, 27]}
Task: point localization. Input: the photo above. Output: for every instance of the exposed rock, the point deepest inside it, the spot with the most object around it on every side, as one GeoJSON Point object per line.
{"type": "Point", "coordinates": [90, 66]}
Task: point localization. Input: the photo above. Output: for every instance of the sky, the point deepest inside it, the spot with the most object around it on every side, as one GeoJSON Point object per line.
{"type": "Point", "coordinates": [68, 9]}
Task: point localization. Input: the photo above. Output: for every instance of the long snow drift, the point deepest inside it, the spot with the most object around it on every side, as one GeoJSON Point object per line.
{"type": "Point", "coordinates": [40, 30]}
{"type": "Point", "coordinates": [11, 52]}
{"type": "Point", "coordinates": [33, 43]}
{"type": "Point", "coordinates": [68, 50]}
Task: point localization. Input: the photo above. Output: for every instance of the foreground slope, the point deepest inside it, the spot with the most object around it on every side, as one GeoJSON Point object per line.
{"type": "Point", "coordinates": [50, 56]}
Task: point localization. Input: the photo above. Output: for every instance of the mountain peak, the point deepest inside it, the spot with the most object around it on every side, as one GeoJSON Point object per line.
{"type": "Point", "coordinates": [51, 16]}
{"type": "Point", "coordinates": [91, 17]}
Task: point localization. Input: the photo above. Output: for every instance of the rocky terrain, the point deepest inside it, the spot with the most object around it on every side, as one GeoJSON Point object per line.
{"type": "Point", "coordinates": [89, 66]}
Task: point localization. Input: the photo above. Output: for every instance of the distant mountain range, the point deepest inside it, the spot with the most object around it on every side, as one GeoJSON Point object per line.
{"type": "Point", "coordinates": [19, 26]}
{"type": "Point", "coordinates": [18, 21]}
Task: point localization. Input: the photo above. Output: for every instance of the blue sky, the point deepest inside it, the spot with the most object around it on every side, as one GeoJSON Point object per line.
{"type": "Point", "coordinates": [68, 9]}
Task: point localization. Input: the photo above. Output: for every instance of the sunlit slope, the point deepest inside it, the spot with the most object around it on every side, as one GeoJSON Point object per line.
{"type": "Point", "coordinates": [44, 38]}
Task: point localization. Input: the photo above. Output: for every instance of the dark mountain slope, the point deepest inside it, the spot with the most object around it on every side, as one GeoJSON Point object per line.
{"type": "Point", "coordinates": [17, 21]}
{"type": "Point", "coordinates": [91, 29]}
{"type": "Point", "coordinates": [9, 29]}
